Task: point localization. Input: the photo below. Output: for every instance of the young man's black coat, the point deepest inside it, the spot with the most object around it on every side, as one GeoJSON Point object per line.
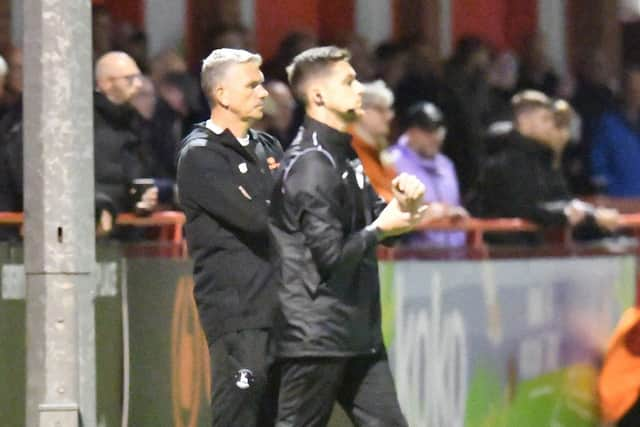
{"type": "Point", "coordinates": [329, 295]}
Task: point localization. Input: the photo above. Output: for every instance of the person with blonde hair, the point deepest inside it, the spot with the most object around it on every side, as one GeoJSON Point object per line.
{"type": "Point", "coordinates": [564, 117]}
{"type": "Point", "coordinates": [519, 180]}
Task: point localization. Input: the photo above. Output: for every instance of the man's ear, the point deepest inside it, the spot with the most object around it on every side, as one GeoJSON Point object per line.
{"type": "Point", "coordinates": [102, 85]}
{"type": "Point", "coordinates": [220, 95]}
{"type": "Point", "coordinates": [314, 94]}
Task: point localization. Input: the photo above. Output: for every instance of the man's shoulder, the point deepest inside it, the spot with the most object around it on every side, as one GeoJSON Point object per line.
{"type": "Point", "coordinates": [303, 155]}
{"type": "Point", "coordinates": [614, 114]}
{"type": "Point", "coordinates": [445, 161]}
{"type": "Point", "coordinates": [267, 139]}
{"type": "Point", "coordinates": [198, 144]}
{"type": "Point", "coordinates": [307, 166]}
{"type": "Point", "coordinates": [509, 158]}
{"type": "Point", "coordinates": [199, 135]}
{"type": "Point", "coordinates": [403, 160]}
{"type": "Point", "coordinates": [614, 121]}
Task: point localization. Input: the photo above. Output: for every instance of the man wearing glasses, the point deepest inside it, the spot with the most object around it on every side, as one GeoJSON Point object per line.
{"type": "Point", "coordinates": [121, 154]}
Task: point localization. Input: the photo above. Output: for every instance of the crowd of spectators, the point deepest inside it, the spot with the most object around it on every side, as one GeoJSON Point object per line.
{"type": "Point", "coordinates": [449, 121]}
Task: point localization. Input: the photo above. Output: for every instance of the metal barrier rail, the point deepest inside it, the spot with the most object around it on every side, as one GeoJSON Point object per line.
{"type": "Point", "coordinates": [171, 224]}
{"type": "Point", "coordinates": [476, 227]}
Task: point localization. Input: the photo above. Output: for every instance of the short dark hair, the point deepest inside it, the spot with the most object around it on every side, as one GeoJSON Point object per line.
{"type": "Point", "coordinates": [311, 63]}
{"type": "Point", "coordinates": [528, 100]}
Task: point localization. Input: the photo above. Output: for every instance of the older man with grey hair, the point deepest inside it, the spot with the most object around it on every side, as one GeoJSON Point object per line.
{"type": "Point", "coordinates": [225, 181]}
{"type": "Point", "coordinates": [371, 137]}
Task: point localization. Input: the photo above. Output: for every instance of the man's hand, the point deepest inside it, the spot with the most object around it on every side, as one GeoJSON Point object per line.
{"type": "Point", "coordinates": [105, 223]}
{"type": "Point", "coordinates": [575, 212]}
{"type": "Point", "coordinates": [408, 191]}
{"type": "Point", "coordinates": [394, 221]}
{"type": "Point", "coordinates": [438, 211]}
{"type": "Point", "coordinates": [435, 211]}
{"type": "Point", "coordinates": [457, 213]}
{"type": "Point", "coordinates": [149, 201]}
{"type": "Point", "coordinates": [606, 218]}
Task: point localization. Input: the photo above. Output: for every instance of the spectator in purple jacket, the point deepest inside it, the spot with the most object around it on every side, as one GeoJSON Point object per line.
{"type": "Point", "coordinates": [418, 152]}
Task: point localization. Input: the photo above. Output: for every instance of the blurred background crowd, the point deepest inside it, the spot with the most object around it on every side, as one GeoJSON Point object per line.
{"type": "Point", "coordinates": [492, 131]}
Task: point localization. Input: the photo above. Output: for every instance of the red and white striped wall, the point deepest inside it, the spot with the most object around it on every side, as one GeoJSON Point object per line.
{"type": "Point", "coordinates": [503, 22]}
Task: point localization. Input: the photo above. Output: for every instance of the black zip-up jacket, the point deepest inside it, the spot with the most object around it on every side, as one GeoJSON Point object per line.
{"type": "Point", "coordinates": [518, 181]}
{"type": "Point", "coordinates": [11, 166]}
{"type": "Point", "coordinates": [121, 151]}
{"type": "Point", "coordinates": [329, 291]}
{"type": "Point", "coordinates": [224, 189]}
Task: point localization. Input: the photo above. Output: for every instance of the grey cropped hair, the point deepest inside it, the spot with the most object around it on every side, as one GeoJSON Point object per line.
{"type": "Point", "coordinates": [215, 65]}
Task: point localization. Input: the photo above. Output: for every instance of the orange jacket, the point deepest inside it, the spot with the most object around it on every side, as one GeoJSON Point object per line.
{"type": "Point", "coordinates": [619, 381]}
{"type": "Point", "coordinates": [378, 173]}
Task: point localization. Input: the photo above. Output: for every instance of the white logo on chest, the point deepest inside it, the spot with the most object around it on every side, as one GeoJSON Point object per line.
{"type": "Point", "coordinates": [242, 167]}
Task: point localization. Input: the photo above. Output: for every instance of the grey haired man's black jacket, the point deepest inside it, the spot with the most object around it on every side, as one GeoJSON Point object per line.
{"type": "Point", "coordinates": [224, 189]}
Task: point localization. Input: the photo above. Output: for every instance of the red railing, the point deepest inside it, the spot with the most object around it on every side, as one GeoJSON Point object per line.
{"type": "Point", "coordinates": [170, 224]}
{"type": "Point", "coordinates": [475, 227]}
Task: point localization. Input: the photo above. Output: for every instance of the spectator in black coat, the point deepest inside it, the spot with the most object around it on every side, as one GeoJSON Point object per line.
{"type": "Point", "coordinates": [121, 152]}
{"type": "Point", "coordinates": [521, 179]}
{"type": "Point", "coordinates": [11, 178]}
{"type": "Point", "coordinates": [11, 166]}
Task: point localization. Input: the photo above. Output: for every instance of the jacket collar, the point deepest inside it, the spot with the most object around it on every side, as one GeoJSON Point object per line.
{"type": "Point", "coordinates": [227, 139]}
{"type": "Point", "coordinates": [335, 142]}
{"type": "Point", "coordinates": [119, 115]}
{"type": "Point", "coordinates": [530, 146]}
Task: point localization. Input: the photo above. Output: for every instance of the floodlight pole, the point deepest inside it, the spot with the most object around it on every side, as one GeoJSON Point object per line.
{"type": "Point", "coordinates": [58, 205]}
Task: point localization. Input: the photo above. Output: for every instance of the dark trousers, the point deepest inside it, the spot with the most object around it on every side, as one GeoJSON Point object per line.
{"type": "Point", "coordinates": [243, 386]}
{"type": "Point", "coordinates": [363, 386]}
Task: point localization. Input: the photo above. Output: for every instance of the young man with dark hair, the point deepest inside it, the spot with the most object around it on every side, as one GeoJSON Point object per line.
{"type": "Point", "coordinates": [328, 338]}
{"type": "Point", "coordinates": [225, 182]}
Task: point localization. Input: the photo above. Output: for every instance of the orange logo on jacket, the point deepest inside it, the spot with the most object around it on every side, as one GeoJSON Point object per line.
{"type": "Point", "coordinates": [272, 163]}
